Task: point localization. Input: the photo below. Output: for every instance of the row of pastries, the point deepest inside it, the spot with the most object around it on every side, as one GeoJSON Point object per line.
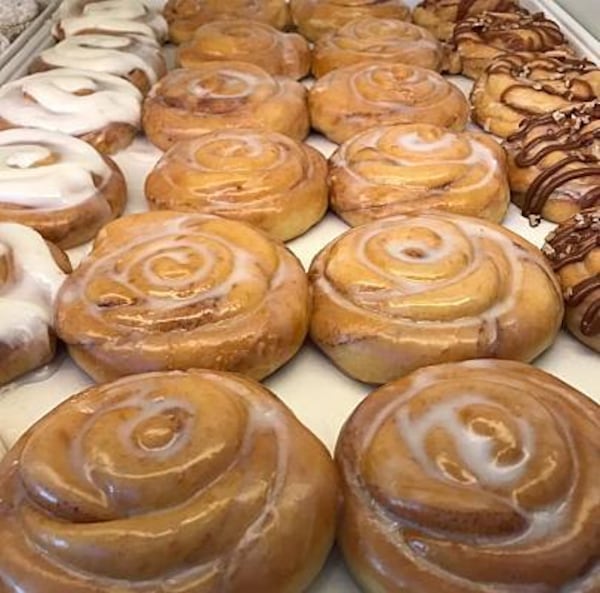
{"type": "Point", "coordinates": [468, 471]}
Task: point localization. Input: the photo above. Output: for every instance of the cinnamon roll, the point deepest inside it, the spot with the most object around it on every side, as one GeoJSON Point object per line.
{"type": "Point", "coordinates": [31, 273]}
{"type": "Point", "coordinates": [409, 291]}
{"type": "Point", "coordinates": [314, 18]}
{"type": "Point", "coordinates": [441, 16]}
{"type": "Point", "coordinates": [472, 477]}
{"type": "Point", "coordinates": [394, 170]}
{"type": "Point", "coordinates": [101, 109]}
{"type": "Point", "coordinates": [136, 58]}
{"type": "Point", "coordinates": [352, 99]}
{"type": "Point", "coordinates": [262, 178]}
{"type": "Point", "coordinates": [195, 482]}
{"type": "Point", "coordinates": [478, 40]}
{"type": "Point", "coordinates": [167, 290]}
{"type": "Point", "coordinates": [376, 39]}
{"type": "Point", "coordinates": [285, 54]}
{"type": "Point", "coordinates": [554, 163]}
{"type": "Point", "coordinates": [125, 17]}
{"type": "Point", "coordinates": [59, 185]}
{"type": "Point", "coordinates": [574, 251]}
{"type": "Point", "coordinates": [518, 86]}
{"type": "Point", "coordinates": [222, 95]}
{"type": "Point", "coordinates": [185, 16]}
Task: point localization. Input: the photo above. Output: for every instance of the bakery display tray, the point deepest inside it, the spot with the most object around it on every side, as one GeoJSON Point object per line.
{"type": "Point", "coordinates": [319, 394]}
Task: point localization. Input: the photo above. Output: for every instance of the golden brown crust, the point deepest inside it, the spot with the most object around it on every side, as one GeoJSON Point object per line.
{"type": "Point", "coordinates": [352, 99]}
{"type": "Point", "coordinates": [252, 483]}
{"type": "Point", "coordinates": [371, 38]}
{"type": "Point", "coordinates": [166, 290]}
{"type": "Point", "coordinates": [395, 170]}
{"type": "Point", "coordinates": [262, 178]}
{"type": "Point", "coordinates": [281, 54]}
{"type": "Point", "coordinates": [471, 478]}
{"type": "Point", "coordinates": [218, 95]}
{"type": "Point", "coordinates": [409, 291]}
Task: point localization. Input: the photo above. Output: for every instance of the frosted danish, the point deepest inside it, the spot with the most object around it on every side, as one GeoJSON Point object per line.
{"type": "Point", "coordinates": [471, 478]}
{"type": "Point", "coordinates": [285, 54]}
{"type": "Point", "coordinates": [223, 95]}
{"type": "Point", "coordinates": [133, 57]}
{"type": "Point", "coordinates": [94, 512]}
{"type": "Point", "coordinates": [314, 18]}
{"type": "Point", "coordinates": [402, 293]}
{"type": "Point", "coordinates": [393, 170]}
{"type": "Point", "coordinates": [262, 178]}
{"type": "Point", "coordinates": [31, 273]}
{"type": "Point", "coordinates": [352, 99]}
{"type": "Point", "coordinates": [101, 109]}
{"type": "Point", "coordinates": [519, 86]}
{"type": "Point", "coordinates": [57, 184]}
{"type": "Point", "coordinates": [125, 17]}
{"type": "Point", "coordinates": [185, 16]}
{"type": "Point", "coordinates": [167, 290]}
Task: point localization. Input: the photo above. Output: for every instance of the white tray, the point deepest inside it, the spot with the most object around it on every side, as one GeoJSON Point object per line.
{"type": "Point", "coordinates": [320, 395]}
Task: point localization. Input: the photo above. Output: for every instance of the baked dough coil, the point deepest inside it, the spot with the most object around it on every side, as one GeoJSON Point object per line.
{"type": "Point", "coordinates": [402, 293]}
{"type": "Point", "coordinates": [190, 482]}
{"type": "Point", "coordinates": [470, 478]}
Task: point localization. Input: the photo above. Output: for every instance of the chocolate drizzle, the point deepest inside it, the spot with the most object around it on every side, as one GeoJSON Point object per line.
{"type": "Point", "coordinates": [571, 243]}
{"type": "Point", "coordinates": [464, 8]}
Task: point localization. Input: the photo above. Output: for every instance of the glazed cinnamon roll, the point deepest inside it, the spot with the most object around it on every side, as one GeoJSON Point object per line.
{"type": "Point", "coordinates": [574, 250]}
{"type": "Point", "coordinates": [31, 274]}
{"type": "Point", "coordinates": [518, 86]}
{"type": "Point", "coordinates": [285, 54]}
{"type": "Point", "coordinates": [554, 163]}
{"type": "Point", "coordinates": [375, 39]}
{"type": "Point", "coordinates": [59, 185]}
{"type": "Point", "coordinates": [98, 511]}
{"type": "Point", "coordinates": [394, 170]}
{"type": "Point", "coordinates": [262, 178]}
{"type": "Point", "coordinates": [480, 39]}
{"type": "Point", "coordinates": [101, 109]}
{"type": "Point", "coordinates": [405, 292]}
{"type": "Point", "coordinates": [185, 16]}
{"type": "Point", "coordinates": [223, 95]}
{"type": "Point", "coordinates": [167, 290]}
{"type": "Point", "coordinates": [314, 18]}
{"type": "Point", "coordinates": [355, 98]}
{"type": "Point", "coordinates": [136, 58]}
{"type": "Point", "coordinates": [473, 477]}
{"type": "Point", "coordinates": [125, 17]}
{"type": "Point", "coordinates": [441, 16]}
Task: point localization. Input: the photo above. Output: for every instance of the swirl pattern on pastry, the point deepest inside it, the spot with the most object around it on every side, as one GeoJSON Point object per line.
{"type": "Point", "coordinates": [223, 95]}
{"type": "Point", "coordinates": [574, 250]}
{"type": "Point", "coordinates": [102, 109]}
{"type": "Point", "coordinates": [394, 170]}
{"type": "Point", "coordinates": [278, 53]}
{"type": "Point", "coordinates": [59, 185]}
{"type": "Point", "coordinates": [472, 477]}
{"type": "Point", "coordinates": [133, 57]}
{"type": "Point", "coordinates": [130, 17]}
{"type": "Point", "coordinates": [262, 178]}
{"type": "Point", "coordinates": [352, 99]}
{"type": "Point", "coordinates": [518, 86]}
{"type": "Point", "coordinates": [166, 290]}
{"type": "Point", "coordinates": [31, 274]}
{"type": "Point", "coordinates": [554, 163]}
{"type": "Point", "coordinates": [95, 511]}
{"type": "Point", "coordinates": [409, 291]}
{"type": "Point", "coordinates": [314, 18]}
{"type": "Point", "coordinates": [480, 39]}
{"type": "Point", "coordinates": [370, 39]}
{"type": "Point", "coordinates": [185, 16]}
{"type": "Point", "coordinates": [440, 16]}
